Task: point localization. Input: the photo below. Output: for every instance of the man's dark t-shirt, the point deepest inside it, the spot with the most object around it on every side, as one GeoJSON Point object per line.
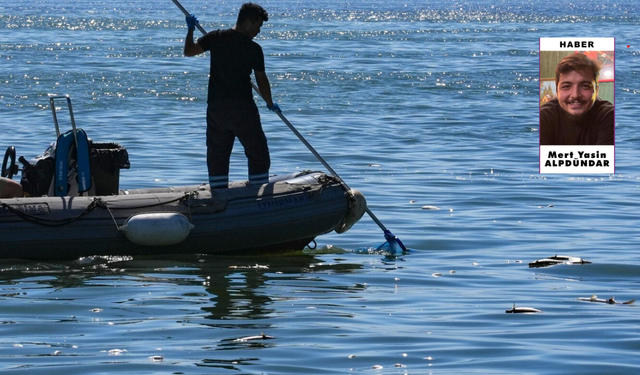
{"type": "Point", "coordinates": [595, 128]}
{"type": "Point", "coordinates": [234, 57]}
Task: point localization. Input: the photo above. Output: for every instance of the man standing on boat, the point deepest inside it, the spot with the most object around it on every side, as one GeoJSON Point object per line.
{"type": "Point", "coordinates": [231, 110]}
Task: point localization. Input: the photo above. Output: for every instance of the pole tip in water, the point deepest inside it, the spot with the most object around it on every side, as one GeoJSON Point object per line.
{"type": "Point", "coordinates": [393, 244]}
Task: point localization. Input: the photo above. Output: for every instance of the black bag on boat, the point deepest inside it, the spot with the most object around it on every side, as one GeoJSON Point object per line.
{"type": "Point", "coordinates": [37, 174]}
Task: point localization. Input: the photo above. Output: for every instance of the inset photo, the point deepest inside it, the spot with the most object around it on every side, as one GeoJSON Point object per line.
{"type": "Point", "coordinates": [577, 86]}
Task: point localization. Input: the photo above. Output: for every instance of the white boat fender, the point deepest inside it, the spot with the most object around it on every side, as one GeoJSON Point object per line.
{"type": "Point", "coordinates": [357, 207]}
{"type": "Point", "coordinates": [157, 229]}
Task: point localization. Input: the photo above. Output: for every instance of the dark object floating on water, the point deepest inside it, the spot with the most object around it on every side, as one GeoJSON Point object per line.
{"type": "Point", "coordinates": [261, 336]}
{"type": "Point", "coordinates": [522, 310]}
{"type": "Point", "coordinates": [557, 259]}
{"type": "Point", "coordinates": [610, 301]}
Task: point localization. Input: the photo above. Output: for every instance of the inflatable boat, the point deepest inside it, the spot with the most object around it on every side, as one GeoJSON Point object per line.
{"type": "Point", "coordinates": [69, 204]}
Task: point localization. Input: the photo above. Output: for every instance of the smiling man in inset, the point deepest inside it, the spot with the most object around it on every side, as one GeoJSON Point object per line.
{"type": "Point", "coordinates": [577, 116]}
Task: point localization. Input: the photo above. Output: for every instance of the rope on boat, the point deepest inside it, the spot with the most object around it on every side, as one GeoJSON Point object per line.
{"type": "Point", "coordinates": [95, 203]}
{"type": "Point", "coordinates": [104, 205]}
{"type": "Point", "coordinates": [51, 222]}
{"type": "Point", "coordinates": [189, 197]}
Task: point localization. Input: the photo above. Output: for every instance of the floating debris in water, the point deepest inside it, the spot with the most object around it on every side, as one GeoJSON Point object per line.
{"type": "Point", "coordinates": [262, 336]}
{"type": "Point", "coordinates": [610, 301]}
{"type": "Point", "coordinates": [430, 208]}
{"type": "Point", "coordinates": [523, 310]}
{"type": "Point", "coordinates": [557, 259]}
{"type": "Point", "coordinates": [117, 351]}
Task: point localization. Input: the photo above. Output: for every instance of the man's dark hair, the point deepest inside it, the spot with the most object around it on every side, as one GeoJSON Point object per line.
{"type": "Point", "coordinates": [578, 62]}
{"type": "Point", "coordinates": [252, 12]}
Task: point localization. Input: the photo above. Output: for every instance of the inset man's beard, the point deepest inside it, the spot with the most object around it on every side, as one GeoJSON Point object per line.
{"type": "Point", "coordinates": [574, 119]}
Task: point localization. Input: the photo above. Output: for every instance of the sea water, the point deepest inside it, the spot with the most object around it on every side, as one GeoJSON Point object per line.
{"type": "Point", "coordinates": [428, 107]}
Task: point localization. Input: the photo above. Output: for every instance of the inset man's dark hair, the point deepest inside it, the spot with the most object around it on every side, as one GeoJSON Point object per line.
{"type": "Point", "coordinates": [252, 12]}
{"type": "Point", "coordinates": [578, 62]}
